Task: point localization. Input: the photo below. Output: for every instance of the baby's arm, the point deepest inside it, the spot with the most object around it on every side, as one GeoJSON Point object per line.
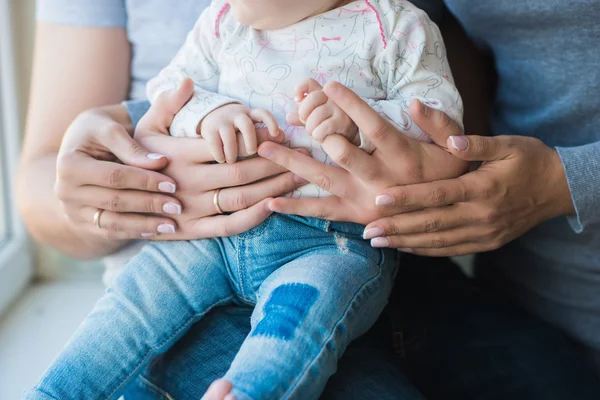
{"type": "Point", "coordinates": [414, 66]}
{"type": "Point", "coordinates": [196, 60]}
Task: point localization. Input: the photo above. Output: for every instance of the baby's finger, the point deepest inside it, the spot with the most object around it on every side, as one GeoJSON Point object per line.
{"type": "Point", "coordinates": [312, 101]}
{"type": "Point", "coordinates": [293, 119]}
{"type": "Point", "coordinates": [246, 126]}
{"type": "Point", "coordinates": [306, 87]}
{"type": "Point", "coordinates": [230, 146]}
{"type": "Point", "coordinates": [260, 115]}
{"type": "Point", "coordinates": [324, 129]}
{"type": "Point", "coordinates": [216, 146]}
{"type": "Point", "coordinates": [316, 118]}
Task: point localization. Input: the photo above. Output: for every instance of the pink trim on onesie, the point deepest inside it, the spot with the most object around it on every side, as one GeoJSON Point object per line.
{"type": "Point", "coordinates": [219, 17]}
{"type": "Point", "coordinates": [381, 31]}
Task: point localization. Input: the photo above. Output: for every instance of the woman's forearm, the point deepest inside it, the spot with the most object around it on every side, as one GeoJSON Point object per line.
{"type": "Point", "coordinates": [42, 211]}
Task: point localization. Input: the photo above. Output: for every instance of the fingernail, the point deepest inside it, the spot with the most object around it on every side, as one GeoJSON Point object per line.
{"type": "Point", "coordinates": [147, 235]}
{"type": "Point", "coordinates": [154, 156]}
{"type": "Point", "coordinates": [424, 109]}
{"type": "Point", "coordinates": [460, 143]}
{"type": "Point", "coordinates": [409, 251]}
{"type": "Point", "coordinates": [384, 200]}
{"type": "Point", "coordinates": [372, 233]}
{"type": "Point", "coordinates": [380, 242]}
{"type": "Point", "coordinates": [167, 187]}
{"type": "Point", "coordinates": [166, 228]}
{"type": "Point", "coordinates": [268, 206]}
{"type": "Point", "coordinates": [172, 208]}
{"type": "Point", "coordinates": [299, 180]}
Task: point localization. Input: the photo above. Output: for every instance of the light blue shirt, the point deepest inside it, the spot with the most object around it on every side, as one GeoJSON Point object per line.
{"type": "Point", "coordinates": [548, 61]}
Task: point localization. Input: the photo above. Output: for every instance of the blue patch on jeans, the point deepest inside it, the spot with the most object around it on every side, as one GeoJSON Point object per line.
{"type": "Point", "coordinates": [285, 310]}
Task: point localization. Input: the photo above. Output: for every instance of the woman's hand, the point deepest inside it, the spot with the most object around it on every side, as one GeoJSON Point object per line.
{"type": "Point", "coordinates": [245, 187]}
{"type": "Point", "coordinates": [397, 160]}
{"type": "Point", "coordinates": [90, 178]}
{"type": "Point", "coordinates": [520, 184]}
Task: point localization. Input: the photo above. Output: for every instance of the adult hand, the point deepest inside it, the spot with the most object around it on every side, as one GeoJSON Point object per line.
{"type": "Point", "coordinates": [520, 184]}
{"type": "Point", "coordinates": [397, 160]}
{"type": "Point", "coordinates": [91, 176]}
{"type": "Point", "coordinates": [245, 187]}
{"type": "Point", "coordinates": [100, 167]}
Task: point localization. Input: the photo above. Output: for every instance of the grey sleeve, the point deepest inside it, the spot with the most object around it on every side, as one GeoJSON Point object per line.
{"type": "Point", "coordinates": [582, 167]}
{"type": "Point", "coordinates": [136, 109]}
{"type": "Point", "coordinates": [92, 13]}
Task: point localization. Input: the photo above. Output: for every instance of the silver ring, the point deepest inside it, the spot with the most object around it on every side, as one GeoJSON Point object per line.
{"type": "Point", "coordinates": [216, 201]}
{"type": "Point", "coordinates": [97, 216]}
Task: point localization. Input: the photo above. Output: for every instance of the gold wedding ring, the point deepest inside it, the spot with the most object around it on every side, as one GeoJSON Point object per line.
{"type": "Point", "coordinates": [97, 216]}
{"type": "Point", "coordinates": [216, 201]}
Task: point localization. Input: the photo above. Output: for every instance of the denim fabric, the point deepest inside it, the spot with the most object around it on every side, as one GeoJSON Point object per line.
{"type": "Point", "coordinates": [316, 286]}
{"type": "Point", "coordinates": [442, 335]}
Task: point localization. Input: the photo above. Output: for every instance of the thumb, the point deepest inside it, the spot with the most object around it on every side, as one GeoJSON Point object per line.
{"type": "Point", "coordinates": [129, 152]}
{"type": "Point", "coordinates": [172, 101]}
{"type": "Point", "coordinates": [479, 148]}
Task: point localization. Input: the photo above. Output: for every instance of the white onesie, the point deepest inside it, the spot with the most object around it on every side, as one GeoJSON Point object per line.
{"type": "Point", "coordinates": [387, 51]}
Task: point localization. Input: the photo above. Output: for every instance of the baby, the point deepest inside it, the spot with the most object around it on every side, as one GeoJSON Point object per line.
{"type": "Point", "coordinates": [316, 285]}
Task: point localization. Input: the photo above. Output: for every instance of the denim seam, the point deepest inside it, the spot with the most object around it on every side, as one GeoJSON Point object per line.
{"type": "Point", "coordinates": [241, 266]}
{"type": "Point", "coordinates": [184, 326]}
{"type": "Point", "coordinates": [342, 318]}
{"type": "Point", "coordinates": [146, 382]}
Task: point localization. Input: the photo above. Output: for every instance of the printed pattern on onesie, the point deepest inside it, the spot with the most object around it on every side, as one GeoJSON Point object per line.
{"type": "Point", "coordinates": [387, 51]}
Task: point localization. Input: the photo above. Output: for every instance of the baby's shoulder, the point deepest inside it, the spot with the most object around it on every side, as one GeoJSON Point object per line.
{"type": "Point", "coordinates": [399, 14]}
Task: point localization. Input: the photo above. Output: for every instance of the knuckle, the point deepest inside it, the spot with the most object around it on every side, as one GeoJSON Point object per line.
{"type": "Point", "coordinates": [438, 244]}
{"type": "Point", "coordinates": [60, 190]}
{"type": "Point", "coordinates": [378, 133]}
{"type": "Point", "coordinates": [323, 182]}
{"type": "Point", "coordinates": [344, 156]}
{"type": "Point", "coordinates": [154, 205]}
{"type": "Point", "coordinates": [136, 150]}
{"type": "Point", "coordinates": [114, 204]}
{"type": "Point", "coordinates": [241, 201]}
{"type": "Point", "coordinates": [401, 198]}
{"type": "Point", "coordinates": [237, 174]}
{"type": "Point", "coordinates": [438, 196]}
{"type": "Point", "coordinates": [113, 130]}
{"type": "Point", "coordinates": [116, 178]}
{"type": "Point", "coordinates": [490, 216]}
{"type": "Point", "coordinates": [432, 225]}
{"type": "Point", "coordinates": [442, 119]}
{"type": "Point", "coordinates": [65, 164]}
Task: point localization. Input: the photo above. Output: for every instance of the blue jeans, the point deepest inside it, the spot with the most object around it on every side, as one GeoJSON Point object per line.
{"type": "Point", "coordinates": [316, 286]}
{"type": "Point", "coordinates": [442, 336]}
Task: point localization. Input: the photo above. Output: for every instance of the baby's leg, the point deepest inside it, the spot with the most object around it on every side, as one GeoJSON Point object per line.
{"type": "Point", "coordinates": [308, 312]}
{"type": "Point", "coordinates": [161, 293]}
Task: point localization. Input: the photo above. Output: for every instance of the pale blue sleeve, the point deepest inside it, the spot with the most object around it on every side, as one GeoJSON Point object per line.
{"type": "Point", "coordinates": [93, 13]}
{"type": "Point", "coordinates": [582, 167]}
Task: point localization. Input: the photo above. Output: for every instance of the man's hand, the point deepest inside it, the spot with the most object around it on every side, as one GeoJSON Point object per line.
{"type": "Point", "coordinates": [520, 184]}
{"type": "Point", "coordinates": [361, 177]}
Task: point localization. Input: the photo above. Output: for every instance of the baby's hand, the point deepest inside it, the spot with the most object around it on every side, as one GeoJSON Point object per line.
{"type": "Point", "coordinates": [321, 116]}
{"type": "Point", "coordinates": [220, 128]}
